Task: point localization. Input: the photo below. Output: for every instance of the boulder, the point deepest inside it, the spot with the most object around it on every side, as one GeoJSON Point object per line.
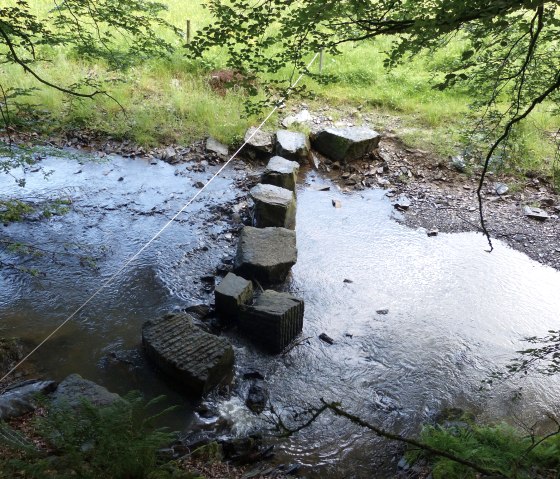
{"type": "Point", "coordinates": [273, 321]}
{"type": "Point", "coordinates": [260, 141]}
{"type": "Point", "coordinates": [230, 294]}
{"type": "Point", "coordinates": [292, 145]}
{"type": "Point", "coordinates": [199, 361]}
{"type": "Point", "coordinates": [74, 389]}
{"type": "Point", "coordinates": [266, 254]}
{"type": "Point", "coordinates": [274, 206]}
{"type": "Point", "coordinates": [21, 398]}
{"type": "Point", "coordinates": [346, 144]}
{"type": "Point", "coordinates": [257, 397]}
{"type": "Point", "coordinates": [281, 172]}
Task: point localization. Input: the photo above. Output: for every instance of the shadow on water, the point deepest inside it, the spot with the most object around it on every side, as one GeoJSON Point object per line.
{"type": "Point", "coordinates": [453, 311]}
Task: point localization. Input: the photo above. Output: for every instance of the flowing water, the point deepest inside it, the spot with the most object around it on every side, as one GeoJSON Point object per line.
{"type": "Point", "coordinates": [453, 311]}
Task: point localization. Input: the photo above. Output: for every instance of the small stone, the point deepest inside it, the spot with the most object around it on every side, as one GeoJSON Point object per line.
{"type": "Point", "coordinates": [274, 206]}
{"type": "Point", "coordinates": [432, 233]}
{"type": "Point", "coordinates": [302, 117]}
{"type": "Point", "coordinates": [259, 140]}
{"type": "Point", "coordinates": [215, 146]}
{"type": "Point", "coordinates": [336, 203]}
{"type": "Point", "coordinates": [349, 281]}
{"type": "Point", "coordinates": [403, 203]}
{"type": "Point", "coordinates": [266, 254]}
{"type": "Point", "coordinates": [382, 312]}
{"type": "Point", "coordinates": [273, 321]}
{"type": "Point", "coordinates": [292, 145]}
{"type": "Point", "coordinates": [281, 172]}
{"type": "Point", "coordinates": [535, 213]}
{"type": "Point", "coordinates": [199, 361]}
{"type": "Point", "coordinates": [459, 163]}
{"type": "Point", "coordinates": [346, 144]}
{"type": "Point", "coordinates": [325, 338]}
{"type": "Point", "coordinates": [230, 294]}
{"type": "Point", "coordinates": [501, 188]}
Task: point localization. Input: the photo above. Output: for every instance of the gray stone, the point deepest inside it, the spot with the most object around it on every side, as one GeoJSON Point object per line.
{"type": "Point", "coordinates": [199, 361]}
{"type": "Point", "coordinates": [215, 146]}
{"type": "Point", "coordinates": [74, 389]}
{"type": "Point", "coordinates": [403, 203]}
{"type": "Point", "coordinates": [302, 117]}
{"type": "Point", "coordinates": [266, 254]}
{"type": "Point", "coordinates": [11, 352]}
{"type": "Point", "coordinates": [262, 141]}
{"type": "Point", "coordinates": [459, 163]}
{"type": "Point", "coordinates": [292, 145]}
{"type": "Point", "coordinates": [230, 294]}
{"type": "Point", "coordinates": [281, 172]}
{"type": "Point", "coordinates": [535, 213]}
{"type": "Point", "coordinates": [346, 144]}
{"type": "Point", "coordinates": [22, 398]}
{"type": "Point", "coordinates": [274, 206]}
{"type": "Point", "coordinates": [273, 321]}
{"type": "Point", "coordinates": [501, 189]}
{"type": "Point", "coordinates": [257, 397]}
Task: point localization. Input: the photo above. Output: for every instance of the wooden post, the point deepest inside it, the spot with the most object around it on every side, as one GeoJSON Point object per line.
{"type": "Point", "coordinates": [188, 31]}
{"type": "Point", "coordinates": [321, 61]}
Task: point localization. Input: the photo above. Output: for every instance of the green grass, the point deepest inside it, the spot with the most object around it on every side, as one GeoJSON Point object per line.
{"type": "Point", "coordinates": [170, 101]}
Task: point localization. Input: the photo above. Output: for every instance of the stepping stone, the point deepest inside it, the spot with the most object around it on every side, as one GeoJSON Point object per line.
{"type": "Point", "coordinates": [274, 206]}
{"type": "Point", "coordinates": [197, 360]}
{"type": "Point", "coordinates": [346, 144]}
{"type": "Point", "coordinates": [261, 141]}
{"type": "Point", "coordinates": [230, 294]}
{"type": "Point", "coordinates": [266, 254]}
{"type": "Point", "coordinates": [281, 172]}
{"type": "Point", "coordinates": [274, 321]}
{"type": "Point", "coordinates": [292, 145]}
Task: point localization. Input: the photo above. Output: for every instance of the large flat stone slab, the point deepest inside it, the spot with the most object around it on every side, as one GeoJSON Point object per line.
{"type": "Point", "coordinates": [273, 321]}
{"type": "Point", "coordinates": [281, 172]}
{"type": "Point", "coordinates": [230, 294]}
{"type": "Point", "coordinates": [292, 145]}
{"type": "Point", "coordinates": [274, 206]}
{"type": "Point", "coordinates": [197, 360]}
{"type": "Point", "coordinates": [346, 144]}
{"type": "Point", "coordinates": [266, 254]}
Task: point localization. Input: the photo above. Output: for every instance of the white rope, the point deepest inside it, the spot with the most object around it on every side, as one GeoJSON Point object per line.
{"type": "Point", "coordinates": [158, 234]}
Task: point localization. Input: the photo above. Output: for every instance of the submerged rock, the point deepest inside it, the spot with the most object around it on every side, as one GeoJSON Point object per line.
{"type": "Point", "coordinates": [281, 172]}
{"type": "Point", "coordinates": [292, 145]}
{"type": "Point", "coordinates": [346, 144]}
{"type": "Point", "coordinates": [230, 294]}
{"type": "Point", "coordinates": [12, 351]}
{"type": "Point", "coordinates": [274, 206]}
{"type": "Point", "coordinates": [199, 361]}
{"type": "Point", "coordinates": [74, 389]}
{"type": "Point", "coordinates": [266, 254]}
{"type": "Point", "coordinates": [22, 398]}
{"type": "Point", "coordinates": [273, 321]}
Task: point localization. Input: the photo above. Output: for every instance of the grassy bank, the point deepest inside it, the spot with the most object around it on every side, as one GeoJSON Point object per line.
{"type": "Point", "coordinates": [170, 100]}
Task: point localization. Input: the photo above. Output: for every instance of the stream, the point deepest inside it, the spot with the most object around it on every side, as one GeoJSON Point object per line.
{"type": "Point", "coordinates": [418, 322]}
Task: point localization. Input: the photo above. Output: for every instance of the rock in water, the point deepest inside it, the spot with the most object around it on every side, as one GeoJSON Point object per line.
{"type": "Point", "coordinates": [281, 172]}
{"type": "Point", "coordinates": [292, 145]}
{"type": "Point", "coordinates": [199, 361]}
{"type": "Point", "coordinates": [261, 141]}
{"type": "Point", "coordinates": [274, 206]}
{"type": "Point", "coordinates": [11, 352]}
{"type": "Point", "coordinates": [230, 294]}
{"type": "Point", "coordinates": [346, 144]}
{"type": "Point", "coordinates": [74, 389]}
{"type": "Point", "coordinates": [266, 254]}
{"type": "Point", "coordinates": [22, 398]}
{"type": "Point", "coordinates": [273, 321]}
